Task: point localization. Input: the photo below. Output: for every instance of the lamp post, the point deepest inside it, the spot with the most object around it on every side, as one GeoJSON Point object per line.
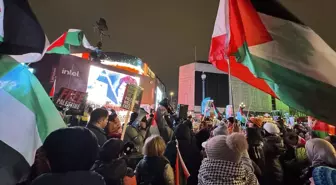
{"type": "Point", "coordinates": [203, 77]}
{"type": "Point", "coordinates": [171, 96]}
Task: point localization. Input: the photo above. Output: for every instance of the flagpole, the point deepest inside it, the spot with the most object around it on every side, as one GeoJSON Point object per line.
{"type": "Point", "coordinates": [230, 87]}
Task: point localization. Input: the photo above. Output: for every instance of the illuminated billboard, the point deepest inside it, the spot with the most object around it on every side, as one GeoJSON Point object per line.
{"type": "Point", "coordinates": [159, 96]}
{"type": "Point", "coordinates": [108, 86]}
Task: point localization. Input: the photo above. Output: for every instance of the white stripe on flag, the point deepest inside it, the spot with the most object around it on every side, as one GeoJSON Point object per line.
{"type": "Point", "coordinates": [18, 127]}
{"type": "Point", "coordinates": [32, 57]}
{"type": "Point", "coordinates": [222, 21]}
{"type": "Point", "coordinates": [297, 48]}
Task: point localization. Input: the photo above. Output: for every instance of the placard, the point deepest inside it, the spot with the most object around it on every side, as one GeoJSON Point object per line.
{"type": "Point", "coordinates": [128, 97]}
{"type": "Point", "coordinates": [71, 99]}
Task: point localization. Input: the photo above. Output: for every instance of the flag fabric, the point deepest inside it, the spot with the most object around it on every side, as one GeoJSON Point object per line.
{"type": "Point", "coordinates": [205, 106]}
{"type": "Point", "coordinates": [181, 172]}
{"type": "Point", "coordinates": [28, 116]}
{"type": "Point", "coordinates": [21, 35]}
{"type": "Point", "coordinates": [72, 41]}
{"type": "Point", "coordinates": [52, 91]}
{"type": "Point", "coordinates": [26, 112]}
{"type": "Point", "coordinates": [272, 50]}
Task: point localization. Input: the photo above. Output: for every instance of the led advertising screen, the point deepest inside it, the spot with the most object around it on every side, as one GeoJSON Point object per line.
{"type": "Point", "coordinates": [108, 86]}
{"type": "Point", "coordinates": [158, 97]}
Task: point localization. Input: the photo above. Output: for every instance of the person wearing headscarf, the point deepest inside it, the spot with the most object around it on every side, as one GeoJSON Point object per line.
{"type": "Point", "coordinates": [110, 164]}
{"type": "Point", "coordinates": [324, 176]}
{"type": "Point", "coordinates": [320, 153]}
{"type": "Point", "coordinates": [227, 162]}
{"type": "Point", "coordinates": [188, 149]}
{"type": "Point", "coordinates": [71, 152]}
{"type": "Point", "coordinates": [273, 149]}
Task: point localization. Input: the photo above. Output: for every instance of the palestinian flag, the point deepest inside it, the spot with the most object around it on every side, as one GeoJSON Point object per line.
{"type": "Point", "coordinates": [72, 41]}
{"type": "Point", "coordinates": [181, 172]}
{"type": "Point", "coordinates": [21, 35]}
{"type": "Point", "coordinates": [26, 112]}
{"type": "Point", "coordinates": [272, 50]}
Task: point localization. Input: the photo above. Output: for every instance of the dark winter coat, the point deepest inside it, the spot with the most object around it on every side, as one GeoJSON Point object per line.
{"type": "Point", "coordinates": [202, 136]}
{"type": "Point", "coordinates": [70, 178]}
{"type": "Point", "coordinates": [113, 172]}
{"type": "Point", "coordinates": [273, 149]}
{"type": "Point", "coordinates": [153, 171]}
{"type": "Point", "coordinates": [189, 151]}
{"type": "Point", "coordinates": [99, 133]}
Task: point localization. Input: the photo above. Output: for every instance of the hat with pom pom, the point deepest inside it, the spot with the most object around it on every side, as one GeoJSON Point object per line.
{"type": "Point", "coordinates": [227, 148]}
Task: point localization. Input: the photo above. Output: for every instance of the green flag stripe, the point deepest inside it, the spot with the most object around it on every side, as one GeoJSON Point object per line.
{"type": "Point", "coordinates": [294, 89]}
{"type": "Point", "coordinates": [74, 38]}
{"type": "Point", "coordinates": [28, 90]}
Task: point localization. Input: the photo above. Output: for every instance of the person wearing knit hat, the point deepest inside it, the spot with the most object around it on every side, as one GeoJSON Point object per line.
{"type": "Point", "coordinates": [220, 130]}
{"type": "Point", "coordinates": [227, 162]}
{"type": "Point", "coordinates": [273, 148]}
{"type": "Point", "coordinates": [271, 128]}
{"type": "Point", "coordinates": [324, 176]}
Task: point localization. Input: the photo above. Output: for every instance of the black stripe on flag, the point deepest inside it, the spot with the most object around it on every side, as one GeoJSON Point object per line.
{"type": "Point", "coordinates": [275, 9]}
{"type": "Point", "coordinates": [22, 31]}
{"type": "Point", "coordinates": [13, 166]}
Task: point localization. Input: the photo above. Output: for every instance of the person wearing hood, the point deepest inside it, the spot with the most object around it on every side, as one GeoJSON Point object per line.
{"type": "Point", "coordinates": [221, 129]}
{"type": "Point", "coordinates": [227, 162]}
{"type": "Point", "coordinates": [188, 149]}
{"type": "Point", "coordinates": [159, 124]}
{"type": "Point", "coordinates": [134, 132]}
{"type": "Point", "coordinates": [110, 164]}
{"type": "Point", "coordinates": [273, 149]}
{"type": "Point", "coordinates": [97, 124]}
{"type": "Point", "coordinates": [71, 152]}
{"type": "Point", "coordinates": [320, 153]}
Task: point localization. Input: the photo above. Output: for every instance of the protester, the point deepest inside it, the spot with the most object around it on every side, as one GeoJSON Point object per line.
{"type": "Point", "coordinates": [113, 127]}
{"type": "Point", "coordinates": [110, 164]}
{"type": "Point", "coordinates": [220, 130]}
{"type": "Point", "coordinates": [154, 168]}
{"type": "Point", "coordinates": [71, 152]}
{"type": "Point", "coordinates": [255, 149]}
{"type": "Point", "coordinates": [202, 135]}
{"type": "Point", "coordinates": [273, 149]}
{"type": "Point", "coordinates": [132, 133]}
{"type": "Point", "coordinates": [227, 162]}
{"type": "Point", "coordinates": [97, 123]}
{"type": "Point", "coordinates": [188, 149]}
{"type": "Point", "coordinates": [320, 153]}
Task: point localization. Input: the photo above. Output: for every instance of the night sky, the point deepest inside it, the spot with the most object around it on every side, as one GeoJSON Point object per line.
{"type": "Point", "coordinates": [163, 33]}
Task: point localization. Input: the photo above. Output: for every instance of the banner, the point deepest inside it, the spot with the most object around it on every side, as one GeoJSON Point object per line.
{"type": "Point", "coordinates": [71, 99]}
{"type": "Point", "coordinates": [130, 91]}
{"type": "Point", "coordinates": [72, 72]}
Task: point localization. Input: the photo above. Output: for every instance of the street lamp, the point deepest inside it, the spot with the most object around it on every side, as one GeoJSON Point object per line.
{"type": "Point", "coordinates": [242, 105]}
{"type": "Point", "coordinates": [203, 77]}
{"type": "Point", "coordinates": [171, 96]}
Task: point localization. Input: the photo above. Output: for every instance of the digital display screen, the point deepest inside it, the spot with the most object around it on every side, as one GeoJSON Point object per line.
{"type": "Point", "coordinates": [158, 97]}
{"type": "Point", "coordinates": [108, 86]}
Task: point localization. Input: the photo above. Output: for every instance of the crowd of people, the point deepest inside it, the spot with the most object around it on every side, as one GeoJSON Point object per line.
{"type": "Point", "coordinates": [218, 152]}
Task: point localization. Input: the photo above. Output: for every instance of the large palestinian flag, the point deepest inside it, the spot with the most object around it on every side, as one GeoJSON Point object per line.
{"type": "Point", "coordinates": [21, 36]}
{"type": "Point", "coordinates": [72, 41]}
{"type": "Point", "coordinates": [272, 50]}
{"type": "Point", "coordinates": [27, 114]}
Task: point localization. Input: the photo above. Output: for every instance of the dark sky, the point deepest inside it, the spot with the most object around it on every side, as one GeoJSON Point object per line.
{"type": "Point", "coordinates": [163, 33]}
